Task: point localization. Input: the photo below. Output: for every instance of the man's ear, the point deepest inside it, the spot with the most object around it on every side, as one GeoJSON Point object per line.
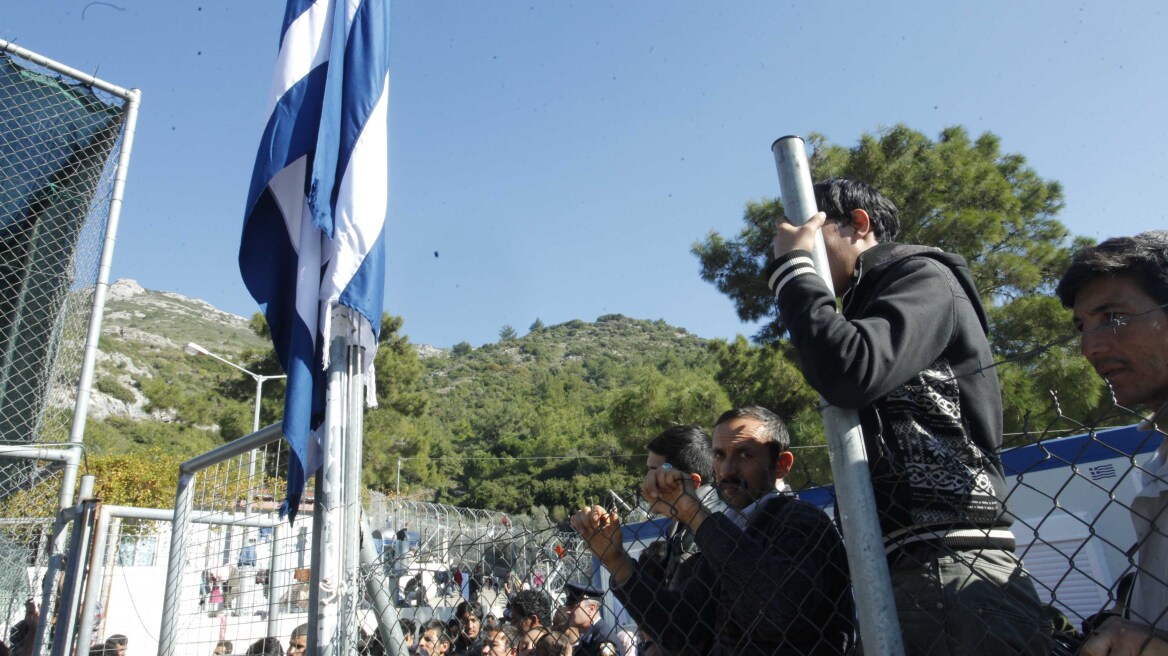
{"type": "Point", "coordinates": [783, 467]}
{"type": "Point", "coordinates": [697, 480]}
{"type": "Point", "coordinates": [861, 223]}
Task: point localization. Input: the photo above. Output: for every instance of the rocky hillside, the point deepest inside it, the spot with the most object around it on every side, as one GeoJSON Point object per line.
{"type": "Point", "coordinates": [140, 328]}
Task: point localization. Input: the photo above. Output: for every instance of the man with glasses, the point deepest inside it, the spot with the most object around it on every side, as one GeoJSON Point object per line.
{"type": "Point", "coordinates": [1118, 295]}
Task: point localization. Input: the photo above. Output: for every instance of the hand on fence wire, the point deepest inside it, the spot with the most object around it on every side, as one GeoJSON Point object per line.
{"type": "Point", "coordinates": [601, 530]}
{"type": "Point", "coordinates": [1120, 637]}
{"type": "Point", "coordinates": [671, 492]}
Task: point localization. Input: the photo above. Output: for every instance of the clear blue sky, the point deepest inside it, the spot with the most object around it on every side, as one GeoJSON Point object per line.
{"type": "Point", "coordinates": [562, 157]}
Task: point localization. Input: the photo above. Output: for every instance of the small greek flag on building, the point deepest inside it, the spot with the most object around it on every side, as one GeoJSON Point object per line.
{"type": "Point", "coordinates": [313, 227]}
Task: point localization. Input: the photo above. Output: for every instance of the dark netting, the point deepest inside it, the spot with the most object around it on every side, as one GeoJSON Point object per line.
{"type": "Point", "coordinates": [59, 145]}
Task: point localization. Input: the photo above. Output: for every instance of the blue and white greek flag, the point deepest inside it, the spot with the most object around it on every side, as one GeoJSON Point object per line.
{"type": "Point", "coordinates": [313, 227]}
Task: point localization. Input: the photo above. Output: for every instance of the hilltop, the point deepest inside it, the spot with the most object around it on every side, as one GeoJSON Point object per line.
{"type": "Point", "coordinates": [548, 417]}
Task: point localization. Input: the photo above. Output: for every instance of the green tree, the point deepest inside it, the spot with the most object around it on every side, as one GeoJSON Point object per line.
{"type": "Point", "coordinates": [507, 333]}
{"type": "Point", "coordinates": [146, 479]}
{"type": "Point", "coordinates": [462, 348]}
{"type": "Point", "coordinates": [654, 401]}
{"type": "Point", "coordinates": [965, 196]}
{"type": "Point", "coordinates": [398, 370]}
{"type": "Point", "coordinates": [536, 326]}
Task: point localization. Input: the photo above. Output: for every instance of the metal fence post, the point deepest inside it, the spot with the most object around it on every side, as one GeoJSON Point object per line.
{"type": "Point", "coordinates": [168, 633]}
{"type": "Point", "coordinates": [274, 567]}
{"type": "Point", "coordinates": [351, 555]}
{"type": "Point", "coordinates": [879, 627]}
{"type": "Point", "coordinates": [75, 570]}
{"type": "Point", "coordinates": [94, 579]}
{"type": "Point", "coordinates": [378, 590]}
{"type": "Point", "coordinates": [314, 564]}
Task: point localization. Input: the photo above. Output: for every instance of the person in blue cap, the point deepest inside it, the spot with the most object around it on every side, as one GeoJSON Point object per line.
{"type": "Point", "coordinates": [583, 605]}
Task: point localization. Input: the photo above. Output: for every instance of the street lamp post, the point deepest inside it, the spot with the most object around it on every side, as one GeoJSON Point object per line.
{"type": "Point", "coordinates": [194, 349]}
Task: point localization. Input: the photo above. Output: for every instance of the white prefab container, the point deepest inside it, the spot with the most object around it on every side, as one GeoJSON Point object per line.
{"type": "Point", "coordinates": [1070, 497]}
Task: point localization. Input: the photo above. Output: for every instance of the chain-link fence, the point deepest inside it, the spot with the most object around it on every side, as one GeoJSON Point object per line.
{"type": "Point", "coordinates": [63, 155]}
{"type": "Point", "coordinates": [764, 572]}
{"type": "Point", "coordinates": [242, 574]}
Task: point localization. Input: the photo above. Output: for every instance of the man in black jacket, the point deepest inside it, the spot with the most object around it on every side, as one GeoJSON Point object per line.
{"type": "Point", "coordinates": [771, 574]}
{"type": "Point", "coordinates": [910, 353]}
{"type": "Point", "coordinates": [687, 449]}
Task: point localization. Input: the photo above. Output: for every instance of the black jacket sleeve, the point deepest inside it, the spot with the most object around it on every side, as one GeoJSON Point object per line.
{"type": "Point", "coordinates": [904, 328]}
{"type": "Point", "coordinates": [782, 575]}
{"type": "Point", "coordinates": [675, 618]}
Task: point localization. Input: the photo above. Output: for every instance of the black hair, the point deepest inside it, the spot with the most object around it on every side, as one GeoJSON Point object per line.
{"type": "Point", "coordinates": [265, 647]}
{"type": "Point", "coordinates": [774, 432]}
{"type": "Point", "coordinates": [465, 608]}
{"type": "Point", "coordinates": [511, 634]}
{"type": "Point", "coordinates": [369, 644]}
{"type": "Point", "coordinates": [839, 197]}
{"type": "Point", "coordinates": [687, 448]}
{"type": "Point", "coordinates": [1143, 258]}
{"type": "Point", "coordinates": [531, 602]}
{"type": "Point", "coordinates": [440, 626]}
{"type": "Point", "coordinates": [409, 627]}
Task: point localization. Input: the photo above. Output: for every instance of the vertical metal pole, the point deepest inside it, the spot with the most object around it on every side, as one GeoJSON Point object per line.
{"type": "Point", "coordinates": [172, 601]}
{"type": "Point", "coordinates": [275, 568]}
{"type": "Point", "coordinates": [75, 570]}
{"type": "Point", "coordinates": [94, 579]}
{"type": "Point", "coordinates": [314, 564]}
{"type": "Point", "coordinates": [56, 564]}
{"type": "Point", "coordinates": [875, 605]}
{"type": "Point", "coordinates": [377, 587]}
{"type": "Point", "coordinates": [111, 556]}
{"type": "Point", "coordinates": [255, 421]}
{"type": "Point", "coordinates": [328, 510]}
{"type": "Point", "coordinates": [351, 539]}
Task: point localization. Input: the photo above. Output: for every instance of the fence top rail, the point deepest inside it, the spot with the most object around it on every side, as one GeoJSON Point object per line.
{"type": "Point", "coordinates": [260, 438]}
{"type": "Point", "coordinates": [58, 67]}
{"type": "Point", "coordinates": [197, 516]}
{"type": "Point", "coordinates": [32, 452]}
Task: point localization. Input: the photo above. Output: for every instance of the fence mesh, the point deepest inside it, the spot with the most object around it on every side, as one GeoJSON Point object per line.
{"type": "Point", "coordinates": [460, 574]}
{"type": "Point", "coordinates": [59, 145]}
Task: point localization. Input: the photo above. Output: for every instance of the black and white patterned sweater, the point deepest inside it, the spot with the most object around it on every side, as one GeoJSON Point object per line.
{"type": "Point", "coordinates": [910, 352]}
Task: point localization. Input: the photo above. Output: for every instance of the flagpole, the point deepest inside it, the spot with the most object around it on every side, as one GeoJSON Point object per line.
{"type": "Point", "coordinates": [328, 577]}
{"type": "Point", "coordinates": [352, 473]}
{"type": "Point", "coordinates": [312, 241]}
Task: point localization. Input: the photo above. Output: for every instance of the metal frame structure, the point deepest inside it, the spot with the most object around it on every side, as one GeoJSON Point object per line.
{"type": "Point", "coordinates": [71, 454]}
{"type": "Point", "coordinates": [184, 515]}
